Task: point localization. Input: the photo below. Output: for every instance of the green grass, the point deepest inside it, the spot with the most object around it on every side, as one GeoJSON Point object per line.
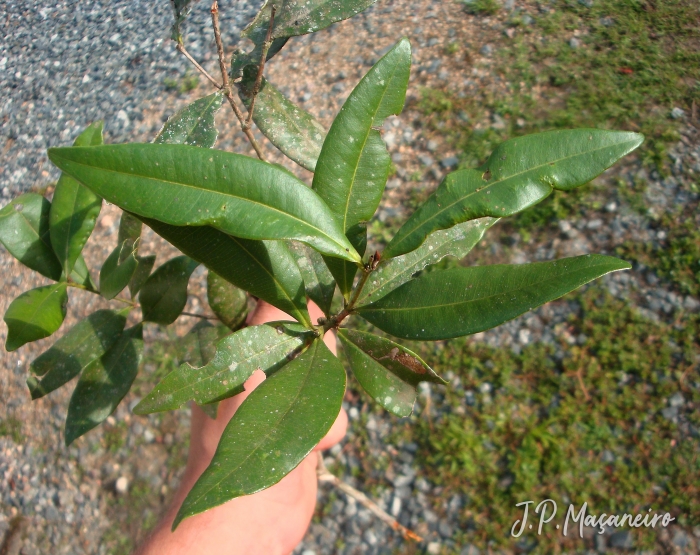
{"type": "Point", "coordinates": [183, 85]}
{"type": "Point", "coordinates": [12, 428]}
{"type": "Point", "coordinates": [543, 431]}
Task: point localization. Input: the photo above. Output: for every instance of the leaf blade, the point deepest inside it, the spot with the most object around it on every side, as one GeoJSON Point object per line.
{"type": "Point", "coordinates": [118, 269]}
{"type": "Point", "coordinates": [354, 163]}
{"type": "Point", "coordinates": [229, 303]}
{"type": "Point", "coordinates": [164, 295]}
{"type": "Point", "coordinates": [519, 173]}
{"type": "Point", "coordinates": [237, 356]}
{"type": "Point", "coordinates": [85, 342]}
{"type": "Point", "coordinates": [263, 268]}
{"type": "Point", "coordinates": [74, 209]}
{"type": "Point", "coordinates": [35, 314]}
{"type": "Point", "coordinates": [318, 281]}
{"type": "Point", "coordinates": [463, 301]}
{"type": "Point", "coordinates": [277, 425]}
{"type": "Point", "coordinates": [186, 185]}
{"type": "Point", "coordinates": [387, 371]}
{"type": "Point", "coordinates": [103, 384]}
{"type": "Point", "coordinates": [194, 124]}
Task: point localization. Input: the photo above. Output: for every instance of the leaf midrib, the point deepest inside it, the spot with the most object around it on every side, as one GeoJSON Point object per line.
{"type": "Point", "coordinates": [497, 182]}
{"type": "Point", "coordinates": [479, 299]}
{"type": "Point", "coordinates": [203, 190]}
{"type": "Point", "coordinates": [268, 434]}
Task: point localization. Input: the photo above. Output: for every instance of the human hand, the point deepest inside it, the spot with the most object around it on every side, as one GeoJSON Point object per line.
{"type": "Point", "coordinates": [270, 522]}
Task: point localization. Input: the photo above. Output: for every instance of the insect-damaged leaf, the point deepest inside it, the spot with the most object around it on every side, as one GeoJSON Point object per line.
{"type": "Point", "coordinates": [277, 425]}
{"type": "Point", "coordinates": [519, 173]}
{"type": "Point", "coordinates": [191, 186]}
{"type": "Point", "coordinates": [388, 372]}
{"type": "Point", "coordinates": [238, 355]}
{"type": "Point", "coordinates": [193, 124]}
{"type": "Point", "coordinates": [87, 341]}
{"type": "Point", "coordinates": [456, 241]}
{"type": "Point", "coordinates": [462, 301]}
{"type": "Point", "coordinates": [289, 127]}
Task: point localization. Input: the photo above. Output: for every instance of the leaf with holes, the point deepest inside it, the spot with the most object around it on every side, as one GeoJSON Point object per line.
{"type": "Point", "coordinates": [462, 301]}
{"type": "Point", "coordinates": [164, 295]}
{"type": "Point", "coordinates": [35, 314]}
{"type": "Point", "coordinates": [354, 164]}
{"type": "Point", "coordinates": [192, 186]}
{"type": "Point", "coordinates": [268, 347]}
{"type": "Point", "coordinates": [277, 425]}
{"type": "Point", "coordinates": [518, 174]}
{"type": "Point", "coordinates": [85, 342]}
{"type": "Point", "coordinates": [387, 371]}
{"type": "Point", "coordinates": [74, 209]}
{"type": "Point", "coordinates": [104, 383]}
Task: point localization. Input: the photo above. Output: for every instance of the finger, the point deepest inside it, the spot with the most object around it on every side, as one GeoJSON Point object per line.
{"type": "Point", "coordinates": [336, 433]}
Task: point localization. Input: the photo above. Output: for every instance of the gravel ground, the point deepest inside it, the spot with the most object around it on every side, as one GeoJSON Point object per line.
{"type": "Point", "coordinates": [113, 62]}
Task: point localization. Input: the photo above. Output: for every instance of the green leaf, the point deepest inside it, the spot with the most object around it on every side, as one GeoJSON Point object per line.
{"type": "Point", "coordinates": [181, 9]}
{"type": "Point", "coordinates": [288, 126]}
{"type": "Point", "coordinates": [129, 230]}
{"type": "Point", "coordinates": [292, 18]}
{"type": "Point", "coordinates": [318, 281]}
{"type": "Point", "coordinates": [24, 231]}
{"type": "Point", "coordinates": [194, 124]}
{"type": "Point", "coordinates": [104, 383]}
{"type": "Point", "coordinates": [144, 265]}
{"type": "Point", "coordinates": [265, 269]}
{"type": "Point", "coordinates": [354, 164]}
{"type": "Point", "coordinates": [198, 347]}
{"type": "Point", "coordinates": [462, 301]}
{"type": "Point", "coordinates": [164, 295]}
{"type": "Point", "coordinates": [74, 209]}
{"type": "Point", "coordinates": [519, 173]}
{"type": "Point", "coordinates": [277, 425]}
{"type": "Point", "coordinates": [268, 347]}
{"type": "Point", "coordinates": [115, 275]}
{"type": "Point", "coordinates": [35, 314]}
{"type": "Point", "coordinates": [186, 185]}
{"type": "Point", "coordinates": [81, 275]}
{"type": "Point", "coordinates": [229, 303]}
{"type": "Point", "coordinates": [456, 241]}
{"type": "Point", "coordinates": [388, 372]}
{"type": "Point", "coordinates": [87, 341]}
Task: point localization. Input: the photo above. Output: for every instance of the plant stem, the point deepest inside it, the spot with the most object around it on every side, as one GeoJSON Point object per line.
{"type": "Point", "coordinates": [181, 48]}
{"type": "Point", "coordinates": [202, 316]}
{"type": "Point", "coordinates": [261, 67]}
{"type": "Point", "coordinates": [226, 88]}
{"type": "Point", "coordinates": [325, 476]}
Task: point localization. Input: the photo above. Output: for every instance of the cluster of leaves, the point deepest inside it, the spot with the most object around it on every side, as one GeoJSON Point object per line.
{"type": "Point", "coordinates": [258, 228]}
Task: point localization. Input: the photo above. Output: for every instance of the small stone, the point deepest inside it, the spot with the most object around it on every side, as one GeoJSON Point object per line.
{"type": "Point", "coordinates": [486, 50]}
{"type": "Point", "coordinates": [670, 413]}
{"type": "Point", "coordinates": [426, 160]}
{"type": "Point", "coordinates": [527, 20]}
{"type": "Point", "coordinates": [397, 157]}
{"type": "Point", "coordinates": [498, 122]}
{"type": "Point", "coordinates": [148, 436]}
{"type": "Point", "coordinates": [434, 548]}
{"type": "Point", "coordinates": [393, 183]}
{"type": "Point", "coordinates": [370, 537]}
{"type": "Point", "coordinates": [680, 539]}
{"type": "Point", "coordinates": [485, 387]}
{"type": "Point", "coordinates": [338, 87]}
{"type": "Point", "coordinates": [433, 42]}
{"type": "Point", "coordinates": [611, 207]}
{"type": "Point", "coordinates": [677, 113]}
{"type": "Point", "coordinates": [308, 552]}
{"type": "Point", "coordinates": [432, 146]}
{"type": "Point", "coordinates": [390, 140]}
{"type": "Point", "coordinates": [574, 43]}
{"type": "Point", "coordinates": [449, 162]}
{"type": "Point", "coordinates": [595, 224]}
{"type": "Point", "coordinates": [445, 529]}
{"type": "Point", "coordinates": [621, 540]}
{"type": "Point", "coordinates": [564, 226]}
{"type": "Point", "coordinates": [395, 506]}
{"type": "Point", "coordinates": [509, 32]}
{"type": "Point", "coordinates": [607, 21]}
{"type": "Point", "coordinates": [607, 456]}
{"type": "Point", "coordinates": [469, 549]}
{"type": "Point", "coordinates": [353, 413]}
{"type": "Point", "coordinates": [677, 400]}
{"type": "Point", "coordinates": [587, 3]}
{"type": "Point", "coordinates": [121, 486]}
{"type": "Point", "coordinates": [524, 336]}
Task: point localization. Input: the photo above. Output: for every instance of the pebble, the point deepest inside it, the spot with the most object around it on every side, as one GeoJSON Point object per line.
{"type": "Point", "coordinates": [486, 50]}
{"type": "Point", "coordinates": [678, 113]}
{"type": "Point", "coordinates": [449, 162]}
{"type": "Point", "coordinates": [121, 485]}
{"type": "Point", "coordinates": [574, 43]}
